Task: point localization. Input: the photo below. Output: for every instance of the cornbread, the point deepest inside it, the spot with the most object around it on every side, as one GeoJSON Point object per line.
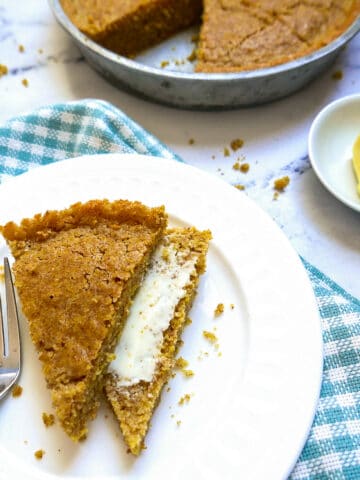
{"type": "Point", "coordinates": [129, 26]}
{"type": "Point", "coordinates": [142, 367]}
{"type": "Point", "coordinates": [235, 35]}
{"type": "Point", "coordinates": [76, 271]}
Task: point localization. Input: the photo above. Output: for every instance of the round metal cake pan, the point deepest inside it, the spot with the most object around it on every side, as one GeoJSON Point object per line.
{"type": "Point", "coordinates": [202, 91]}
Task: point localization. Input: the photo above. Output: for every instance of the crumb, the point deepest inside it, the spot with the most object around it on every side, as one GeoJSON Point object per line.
{"type": "Point", "coordinates": [3, 70]}
{"type": "Point", "coordinates": [226, 152]}
{"type": "Point", "coordinates": [338, 75]}
{"type": "Point", "coordinates": [193, 56]}
{"type": "Point", "coordinates": [219, 310]}
{"type": "Point", "coordinates": [236, 165]}
{"type": "Point", "coordinates": [184, 399]}
{"type": "Point", "coordinates": [21, 48]}
{"type": "Point", "coordinates": [188, 321]}
{"type": "Point", "coordinates": [232, 306]}
{"type": "Point", "coordinates": [187, 373]}
{"type": "Point", "coordinates": [281, 183]}
{"type": "Point", "coordinates": [239, 186]}
{"type": "Point", "coordinates": [276, 195]}
{"type": "Point", "coordinates": [25, 82]}
{"type": "Point", "coordinates": [179, 62]}
{"type": "Point", "coordinates": [2, 274]}
{"type": "Point", "coordinates": [165, 254]}
{"type": "Point", "coordinates": [39, 454]}
{"type": "Point", "coordinates": [244, 167]}
{"type": "Point", "coordinates": [164, 63]}
{"type": "Point", "coordinates": [219, 354]}
{"type": "Point", "coordinates": [181, 363]}
{"type": "Point", "coordinates": [17, 391]}
{"type": "Point", "coordinates": [178, 423]}
{"type": "Point", "coordinates": [191, 141]}
{"type": "Point", "coordinates": [48, 419]}
{"type": "Point", "coordinates": [236, 144]}
{"type": "Point", "coordinates": [210, 336]}
{"type": "Point", "coordinates": [195, 38]}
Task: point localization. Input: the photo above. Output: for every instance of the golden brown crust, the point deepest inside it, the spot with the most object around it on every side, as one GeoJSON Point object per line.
{"type": "Point", "coordinates": [134, 405]}
{"type": "Point", "coordinates": [76, 271]}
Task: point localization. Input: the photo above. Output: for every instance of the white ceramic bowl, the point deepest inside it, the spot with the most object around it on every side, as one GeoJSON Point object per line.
{"type": "Point", "coordinates": [331, 139]}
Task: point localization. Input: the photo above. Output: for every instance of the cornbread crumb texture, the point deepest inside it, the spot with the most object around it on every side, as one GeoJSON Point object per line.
{"type": "Point", "coordinates": [281, 183]}
{"type": "Point", "coordinates": [210, 336]}
{"type": "Point", "coordinates": [16, 391]}
{"type": "Point", "coordinates": [219, 309]}
{"type": "Point", "coordinates": [3, 70]}
{"type": "Point", "coordinates": [39, 454]}
{"type": "Point", "coordinates": [48, 419]}
{"type": "Point", "coordinates": [75, 272]}
{"type": "Point", "coordinates": [134, 404]}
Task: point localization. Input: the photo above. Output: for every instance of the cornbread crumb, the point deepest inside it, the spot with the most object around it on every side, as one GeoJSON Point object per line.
{"type": "Point", "coordinates": [21, 48]}
{"type": "Point", "coordinates": [39, 454]}
{"type": "Point", "coordinates": [193, 56]}
{"type": "Point", "coordinates": [226, 152]}
{"type": "Point", "coordinates": [236, 144]}
{"type": "Point", "coordinates": [165, 254]}
{"type": "Point", "coordinates": [276, 195]}
{"type": "Point", "coordinates": [219, 310]}
{"type": "Point", "coordinates": [244, 167]}
{"type": "Point", "coordinates": [232, 306]}
{"type": "Point", "coordinates": [181, 363]}
{"type": "Point", "coordinates": [187, 373]}
{"type": "Point", "coordinates": [164, 63]}
{"type": "Point", "coordinates": [184, 399]}
{"type": "Point", "coordinates": [219, 354]}
{"type": "Point", "coordinates": [281, 183]}
{"type": "Point", "coordinates": [188, 321]}
{"type": "Point", "coordinates": [25, 82]}
{"type": "Point", "coordinates": [178, 423]}
{"type": "Point", "coordinates": [211, 337]}
{"type": "Point", "coordinates": [17, 391]}
{"type": "Point", "coordinates": [239, 186]}
{"type": "Point", "coordinates": [48, 419]}
{"type": "Point", "coordinates": [338, 75]}
{"type": "Point", "coordinates": [191, 141]}
{"type": "Point", "coordinates": [3, 70]}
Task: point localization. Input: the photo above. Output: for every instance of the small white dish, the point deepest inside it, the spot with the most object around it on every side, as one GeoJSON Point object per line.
{"type": "Point", "coordinates": [331, 139]}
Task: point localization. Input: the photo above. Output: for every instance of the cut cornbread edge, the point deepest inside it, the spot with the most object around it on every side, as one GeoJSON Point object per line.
{"type": "Point", "coordinates": [134, 405]}
{"type": "Point", "coordinates": [76, 402]}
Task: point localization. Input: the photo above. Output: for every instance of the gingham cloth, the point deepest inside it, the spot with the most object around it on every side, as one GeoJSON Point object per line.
{"type": "Point", "coordinates": [71, 129]}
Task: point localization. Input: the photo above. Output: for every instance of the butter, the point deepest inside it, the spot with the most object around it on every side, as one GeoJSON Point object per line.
{"type": "Point", "coordinates": [356, 162]}
{"type": "Point", "coordinates": [150, 315]}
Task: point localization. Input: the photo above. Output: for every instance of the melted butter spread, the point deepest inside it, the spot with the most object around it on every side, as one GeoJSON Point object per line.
{"type": "Point", "coordinates": [150, 315]}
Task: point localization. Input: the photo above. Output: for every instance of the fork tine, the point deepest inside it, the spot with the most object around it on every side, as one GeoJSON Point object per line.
{"type": "Point", "coordinates": [13, 353]}
{"type": "Point", "coordinates": [2, 345]}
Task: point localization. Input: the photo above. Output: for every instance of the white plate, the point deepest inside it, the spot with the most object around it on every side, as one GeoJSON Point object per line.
{"type": "Point", "coordinates": [252, 407]}
{"type": "Point", "coordinates": [331, 139]}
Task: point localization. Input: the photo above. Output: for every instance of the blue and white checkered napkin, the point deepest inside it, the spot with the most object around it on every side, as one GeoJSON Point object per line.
{"type": "Point", "coordinates": [68, 130]}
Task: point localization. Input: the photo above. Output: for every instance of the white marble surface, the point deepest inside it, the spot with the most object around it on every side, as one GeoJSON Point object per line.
{"type": "Point", "coordinates": [321, 229]}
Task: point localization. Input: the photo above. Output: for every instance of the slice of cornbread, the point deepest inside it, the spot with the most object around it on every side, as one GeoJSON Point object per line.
{"type": "Point", "coordinates": [76, 272]}
{"type": "Point", "coordinates": [146, 352]}
{"type": "Point", "coordinates": [130, 26]}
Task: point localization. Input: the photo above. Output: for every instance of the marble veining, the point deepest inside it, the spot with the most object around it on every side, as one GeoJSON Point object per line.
{"type": "Point", "coordinates": [321, 229]}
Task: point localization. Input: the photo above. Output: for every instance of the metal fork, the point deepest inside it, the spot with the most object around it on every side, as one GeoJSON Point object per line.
{"type": "Point", "coordinates": [10, 359]}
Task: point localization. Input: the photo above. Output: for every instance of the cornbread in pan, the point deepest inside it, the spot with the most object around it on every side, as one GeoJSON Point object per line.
{"type": "Point", "coordinates": [129, 26]}
{"type": "Point", "coordinates": [146, 352]}
{"type": "Point", "coordinates": [76, 272]}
